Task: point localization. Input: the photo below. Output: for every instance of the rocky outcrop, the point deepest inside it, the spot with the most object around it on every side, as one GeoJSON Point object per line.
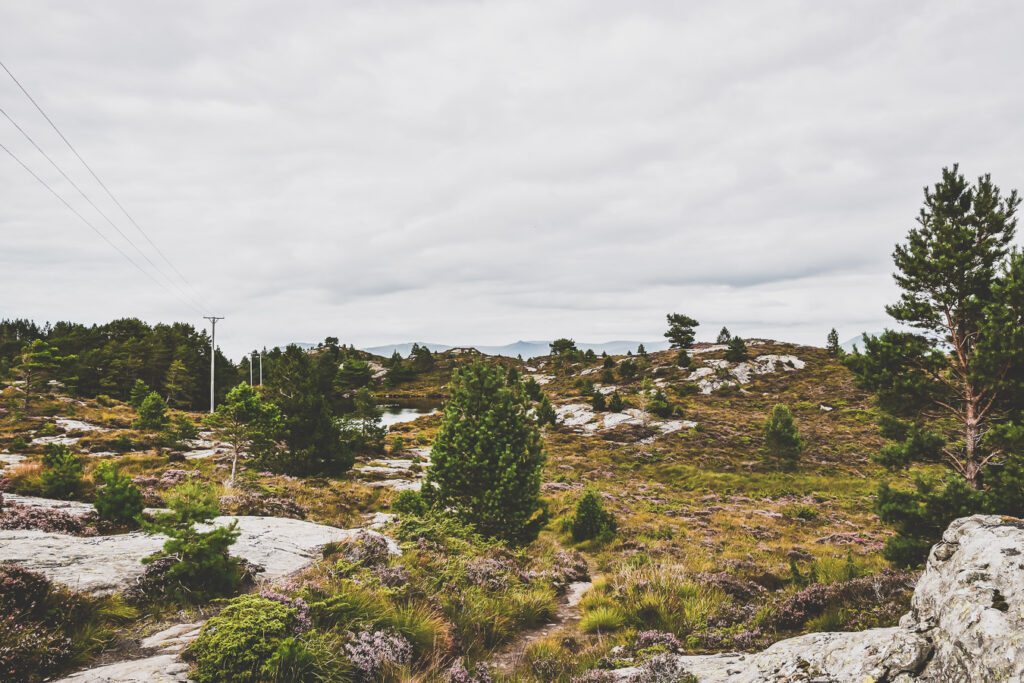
{"type": "Point", "coordinates": [107, 564]}
{"type": "Point", "coordinates": [966, 624]}
{"type": "Point", "coordinates": [165, 666]}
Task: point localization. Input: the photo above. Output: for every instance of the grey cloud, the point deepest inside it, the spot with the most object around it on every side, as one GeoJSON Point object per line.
{"type": "Point", "coordinates": [482, 172]}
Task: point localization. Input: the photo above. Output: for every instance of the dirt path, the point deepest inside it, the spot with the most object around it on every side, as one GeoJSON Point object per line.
{"type": "Point", "coordinates": [568, 613]}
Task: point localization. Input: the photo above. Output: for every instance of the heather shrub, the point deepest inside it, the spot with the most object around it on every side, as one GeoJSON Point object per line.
{"type": "Point", "coordinates": [377, 653]}
{"type": "Point", "coordinates": [46, 629]}
{"type": "Point", "coordinates": [368, 549]}
{"type": "Point", "coordinates": [460, 674]}
{"type": "Point", "coordinates": [51, 520]}
{"type": "Point", "coordinates": [866, 593]}
{"type": "Point", "coordinates": [62, 476]}
{"type": "Point", "coordinates": [118, 500]}
{"type": "Point", "coordinates": [595, 676]}
{"type": "Point", "coordinates": [250, 503]}
{"type": "Point", "coordinates": [652, 639]}
{"type": "Point", "coordinates": [663, 668]}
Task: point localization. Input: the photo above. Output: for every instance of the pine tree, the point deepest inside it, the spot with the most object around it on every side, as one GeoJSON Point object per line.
{"type": "Point", "coordinates": [598, 401]}
{"type": "Point", "coordinates": [140, 390]}
{"type": "Point", "coordinates": [641, 350]}
{"type": "Point", "coordinates": [681, 330]}
{"type": "Point", "coordinates": [251, 425]}
{"type": "Point", "coordinates": [487, 459]}
{"type": "Point", "coordinates": [963, 292]}
{"type": "Point", "coordinates": [178, 386]}
{"type": "Point", "coordinates": [152, 413]}
{"type": "Point", "coordinates": [832, 344]}
{"type": "Point", "coordinates": [546, 413]}
{"type": "Point", "coordinates": [37, 364]}
{"type": "Point", "coordinates": [303, 391]}
{"type": "Point", "coordinates": [591, 519]}
{"type": "Point", "coordinates": [782, 439]}
{"type": "Point", "coordinates": [118, 500]}
{"type": "Point", "coordinates": [62, 476]}
{"type": "Point", "coordinates": [724, 336]}
{"type": "Point", "coordinates": [615, 404]}
{"type": "Point", "coordinates": [562, 346]}
{"type": "Point", "coordinates": [737, 351]}
{"type": "Point", "coordinates": [202, 567]}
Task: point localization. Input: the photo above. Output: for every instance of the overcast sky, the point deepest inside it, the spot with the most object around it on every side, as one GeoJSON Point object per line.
{"type": "Point", "coordinates": [482, 172]}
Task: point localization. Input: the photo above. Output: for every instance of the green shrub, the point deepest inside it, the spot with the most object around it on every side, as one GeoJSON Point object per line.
{"type": "Point", "coordinates": [203, 569]}
{"type": "Point", "coordinates": [19, 443]}
{"type": "Point", "coordinates": [615, 404]}
{"type": "Point", "coordinates": [409, 503]}
{"type": "Point", "coordinates": [48, 429]}
{"type": "Point", "coordinates": [591, 519]}
{"type": "Point", "coordinates": [659, 405]}
{"type": "Point", "coordinates": [546, 413]}
{"type": "Point", "coordinates": [598, 401]}
{"type": "Point", "coordinates": [152, 413]}
{"type": "Point", "coordinates": [118, 500]}
{"type": "Point", "coordinates": [397, 445]}
{"type": "Point", "coordinates": [239, 642]}
{"type": "Point", "coordinates": [782, 439]}
{"type": "Point", "coordinates": [737, 351]}
{"type": "Point", "coordinates": [62, 477]}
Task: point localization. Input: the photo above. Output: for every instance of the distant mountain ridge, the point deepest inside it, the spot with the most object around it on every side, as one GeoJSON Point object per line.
{"type": "Point", "coordinates": [526, 349]}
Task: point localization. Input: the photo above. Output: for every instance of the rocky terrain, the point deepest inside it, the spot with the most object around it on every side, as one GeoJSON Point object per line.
{"type": "Point", "coordinates": [966, 623]}
{"type": "Point", "coordinates": [721, 562]}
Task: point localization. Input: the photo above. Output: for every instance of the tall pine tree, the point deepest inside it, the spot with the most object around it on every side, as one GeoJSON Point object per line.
{"type": "Point", "coordinates": [963, 363]}
{"type": "Point", "coordinates": [488, 456]}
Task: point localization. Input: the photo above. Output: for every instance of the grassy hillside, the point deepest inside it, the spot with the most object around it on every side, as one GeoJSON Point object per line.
{"type": "Point", "coordinates": [715, 544]}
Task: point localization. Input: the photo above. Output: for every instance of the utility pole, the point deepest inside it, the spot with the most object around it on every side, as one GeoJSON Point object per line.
{"type": "Point", "coordinates": [250, 368]}
{"type": "Point", "coordinates": [213, 350]}
{"type": "Point", "coordinates": [261, 365]}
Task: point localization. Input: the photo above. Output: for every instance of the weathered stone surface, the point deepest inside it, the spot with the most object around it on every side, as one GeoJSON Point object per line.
{"type": "Point", "coordinates": [966, 624]}
{"type": "Point", "coordinates": [168, 668]}
{"type": "Point", "coordinates": [106, 564]}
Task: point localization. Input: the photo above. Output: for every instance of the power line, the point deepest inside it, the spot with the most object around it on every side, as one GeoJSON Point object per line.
{"type": "Point", "coordinates": [191, 301]}
{"type": "Point", "coordinates": [80, 216]}
{"type": "Point", "coordinates": [97, 179]}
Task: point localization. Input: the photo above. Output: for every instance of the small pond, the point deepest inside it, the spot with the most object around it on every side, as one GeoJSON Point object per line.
{"type": "Point", "coordinates": [408, 410]}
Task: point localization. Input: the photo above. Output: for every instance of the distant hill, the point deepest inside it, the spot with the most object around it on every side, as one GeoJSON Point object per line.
{"type": "Point", "coordinates": [526, 349]}
{"type": "Point", "coordinates": [858, 340]}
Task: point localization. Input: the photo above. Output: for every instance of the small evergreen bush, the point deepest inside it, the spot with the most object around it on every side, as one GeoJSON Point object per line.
{"type": "Point", "coordinates": [203, 569]}
{"type": "Point", "coordinates": [152, 413]}
{"type": "Point", "coordinates": [591, 519]}
{"type": "Point", "coordinates": [62, 477]}
{"type": "Point", "coordinates": [737, 351]}
{"type": "Point", "coordinates": [239, 642]}
{"type": "Point", "coordinates": [598, 401]}
{"type": "Point", "coordinates": [409, 503]}
{"type": "Point", "coordinates": [118, 500]}
{"type": "Point", "coordinates": [781, 437]}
